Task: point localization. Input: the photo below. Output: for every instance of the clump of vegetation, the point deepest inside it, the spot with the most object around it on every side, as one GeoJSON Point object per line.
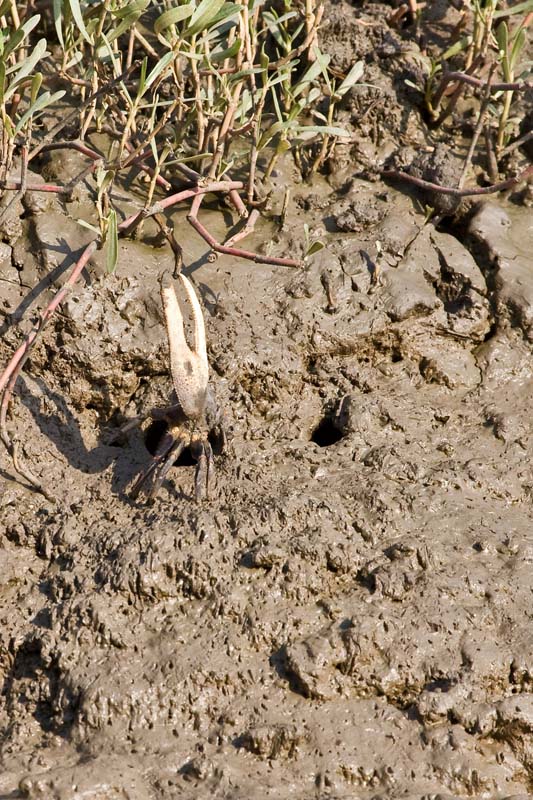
{"type": "Point", "coordinates": [209, 84]}
{"type": "Point", "coordinates": [487, 55]}
{"type": "Point", "coordinates": [484, 56]}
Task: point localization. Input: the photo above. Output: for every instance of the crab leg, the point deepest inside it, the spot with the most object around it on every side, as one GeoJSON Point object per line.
{"type": "Point", "coordinates": [201, 476]}
{"type": "Point", "coordinates": [164, 468]}
{"type": "Point", "coordinates": [164, 448]}
{"type": "Point", "coordinates": [210, 468]}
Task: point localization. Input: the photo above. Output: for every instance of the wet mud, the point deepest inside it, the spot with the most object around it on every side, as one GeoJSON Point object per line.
{"type": "Point", "coordinates": [349, 615]}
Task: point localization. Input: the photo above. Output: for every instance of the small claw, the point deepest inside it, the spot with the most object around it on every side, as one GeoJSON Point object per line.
{"type": "Point", "coordinates": [189, 368]}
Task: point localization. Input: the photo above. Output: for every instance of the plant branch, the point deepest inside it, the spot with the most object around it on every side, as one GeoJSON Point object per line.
{"type": "Point", "coordinates": [524, 175]}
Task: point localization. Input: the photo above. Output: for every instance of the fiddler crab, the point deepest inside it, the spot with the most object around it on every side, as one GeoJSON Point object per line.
{"type": "Point", "coordinates": [194, 414]}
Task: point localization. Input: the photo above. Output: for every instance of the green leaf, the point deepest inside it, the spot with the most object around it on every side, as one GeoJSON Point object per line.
{"type": "Point", "coordinates": [279, 20]}
{"type": "Point", "coordinates": [30, 24]}
{"type": "Point", "coordinates": [296, 110]}
{"type": "Point", "coordinates": [518, 9]}
{"type": "Point", "coordinates": [308, 77]}
{"type": "Point", "coordinates": [136, 8]}
{"type": "Point", "coordinates": [316, 247]}
{"type": "Point", "coordinates": [502, 37]}
{"type": "Point", "coordinates": [36, 81]}
{"type": "Point", "coordinates": [172, 16]}
{"type": "Point", "coordinates": [243, 72]}
{"type": "Point", "coordinates": [128, 16]}
{"type": "Point", "coordinates": [323, 59]}
{"type": "Point", "coordinates": [8, 125]}
{"type": "Point", "coordinates": [57, 6]}
{"type": "Point", "coordinates": [112, 57]}
{"type": "Point", "coordinates": [27, 66]}
{"type": "Point", "coordinates": [77, 56]}
{"type": "Point", "coordinates": [2, 80]}
{"type": "Point", "coordinates": [20, 34]}
{"type": "Point", "coordinates": [153, 147]}
{"type": "Point", "coordinates": [142, 78]}
{"type": "Point", "coordinates": [325, 130]}
{"type": "Point", "coordinates": [205, 13]}
{"type": "Point", "coordinates": [279, 37]}
{"type": "Point", "coordinates": [518, 44]}
{"type": "Point", "coordinates": [41, 103]}
{"type": "Point", "coordinates": [313, 96]}
{"type": "Point", "coordinates": [269, 134]}
{"type": "Point", "coordinates": [456, 48]}
{"type": "Point", "coordinates": [354, 75]}
{"type": "Point", "coordinates": [227, 11]}
{"type": "Point", "coordinates": [158, 69]}
{"type": "Point", "coordinates": [279, 115]}
{"type": "Point", "coordinates": [229, 52]}
{"type": "Point", "coordinates": [282, 76]}
{"type": "Point", "coordinates": [104, 178]}
{"type": "Point", "coordinates": [277, 29]}
{"type": "Point", "coordinates": [78, 19]}
{"type": "Point", "coordinates": [125, 25]}
{"type": "Point", "coordinates": [88, 225]}
{"type": "Point", "coordinates": [12, 43]}
{"type": "Point", "coordinates": [112, 242]}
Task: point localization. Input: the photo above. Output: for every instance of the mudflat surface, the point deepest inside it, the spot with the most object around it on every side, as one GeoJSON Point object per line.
{"type": "Point", "coordinates": [350, 614]}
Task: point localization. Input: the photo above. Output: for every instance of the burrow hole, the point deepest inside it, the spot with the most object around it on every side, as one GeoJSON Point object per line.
{"type": "Point", "coordinates": [326, 433]}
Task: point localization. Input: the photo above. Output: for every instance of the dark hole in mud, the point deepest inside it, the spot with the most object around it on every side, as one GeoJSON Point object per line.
{"type": "Point", "coordinates": [326, 433]}
{"type": "Point", "coordinates": [156, 431]}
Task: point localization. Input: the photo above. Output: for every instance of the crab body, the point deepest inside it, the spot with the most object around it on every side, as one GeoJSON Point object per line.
{"type": "Point", "coordinates": [194, 414]}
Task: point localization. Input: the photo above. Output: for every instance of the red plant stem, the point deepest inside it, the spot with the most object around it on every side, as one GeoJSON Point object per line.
{"type": "Point", "coordinates": [463, 77]}
{"type": "Point", "coordinates": [171, 200]}
{"type": "Point", "coordinates": [245, 231]}
{"type": "Point", "coordinates": [70, 145]}
{"type": "Point", "coordinates": [456, 94]}
{"type": "Point", "coordinates": [233, 194]}
{"type": "Point", "coordinates": [473, 192]}
{"type": "Point", "coordinates": [47, 313]}
{"type": "Point", "coordinates": [3, 409]}
{"type": "Point", "coordinates": [235, 198]}
{"type": "Point", "coordinates": [195, 191]}
{"type": "Point", "coordinates": [192, 218]}
{"type": "Point", "coordinates": [35, 187]}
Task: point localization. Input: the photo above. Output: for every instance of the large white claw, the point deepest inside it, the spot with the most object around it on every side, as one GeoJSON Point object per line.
{"type": "Point", "coordinates": [189, 368]}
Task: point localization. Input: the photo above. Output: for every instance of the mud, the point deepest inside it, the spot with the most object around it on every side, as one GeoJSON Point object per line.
{"type": "Point", "coordinates": [350, 615]}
